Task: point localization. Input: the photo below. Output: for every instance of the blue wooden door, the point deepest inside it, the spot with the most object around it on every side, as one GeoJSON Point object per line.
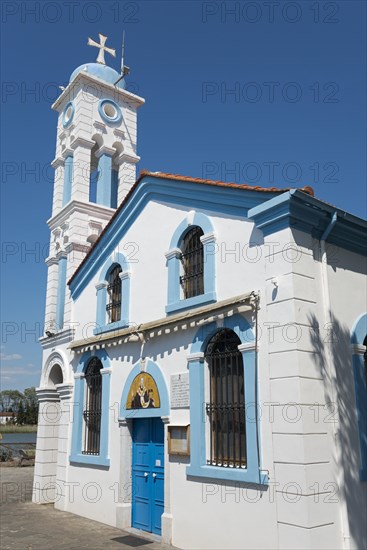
{"type": "Point", "coordinates": [148, 474]}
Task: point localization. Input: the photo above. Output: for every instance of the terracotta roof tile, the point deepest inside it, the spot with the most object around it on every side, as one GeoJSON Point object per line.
{"type": "Point", "coordinates": [177, 177]}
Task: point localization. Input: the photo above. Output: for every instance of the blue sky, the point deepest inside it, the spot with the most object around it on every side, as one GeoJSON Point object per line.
{"type": "Point", "coordinates": [266, 93]}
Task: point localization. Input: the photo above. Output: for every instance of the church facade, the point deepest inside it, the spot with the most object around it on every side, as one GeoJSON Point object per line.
{"type": "Point", "coordinates": [204, 374]}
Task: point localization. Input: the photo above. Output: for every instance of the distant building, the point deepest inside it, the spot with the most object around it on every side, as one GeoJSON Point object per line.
{"type": "Point", "coordinates": [6, 417]}
{"type": "Point", "coordinates": [203, 373]}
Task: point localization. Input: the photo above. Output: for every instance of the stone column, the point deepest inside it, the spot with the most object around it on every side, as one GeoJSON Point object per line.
{"type": "Point", "coordinates": [123, 507]}
{"type": "Point", "coordinates": [127, 175]}
{"type": "Point", "coordinates": [58, 165]}
{"type": "Point", "coordinates": [44, 484]}
{"type": "Point", "coordinates": [51, 293]}
{"type": "Point", "coordinates": [65, 392]}
{"type": "Point", "coordinates": [68, 179]}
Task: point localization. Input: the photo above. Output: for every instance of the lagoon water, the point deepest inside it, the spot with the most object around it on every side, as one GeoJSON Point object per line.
{"type": "Point", "coordinates": [19, 438]}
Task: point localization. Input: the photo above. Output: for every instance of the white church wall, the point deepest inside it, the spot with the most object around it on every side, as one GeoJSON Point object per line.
{"type": "Point", "coordinates": [348, 298]}
{"type": "Point", "coordinates": [145, 252]}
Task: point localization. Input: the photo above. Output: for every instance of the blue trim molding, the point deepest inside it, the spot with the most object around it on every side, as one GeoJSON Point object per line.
{"type": "Point", "coordinates": [299, 210]}
{"type": "Point", "coordinates": [359, 333]}
{"type": "Point", "coordinates": [117, 258]}
{"type": "Point", "coordinates": [153, 369]}
{"type": "Point", "coordinates": [76, 455]}
{"type": "Point", "coordinates": [61, 288]}
{"type": "Point", "coordinates": [104, 182]}
{"type": "Point", "coordinates": [198, 462]}
{"type": "Point", "coordinates": [174, 300]}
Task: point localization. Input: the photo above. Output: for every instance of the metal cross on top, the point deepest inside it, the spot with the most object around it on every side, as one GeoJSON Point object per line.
{"type": "Point", "coordinates": [102, 48]}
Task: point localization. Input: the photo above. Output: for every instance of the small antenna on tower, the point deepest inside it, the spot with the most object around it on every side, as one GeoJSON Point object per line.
{"type": "Point", "coordinates": [122, 52]}
{"type": "Point", "coordinates": [124, 69]}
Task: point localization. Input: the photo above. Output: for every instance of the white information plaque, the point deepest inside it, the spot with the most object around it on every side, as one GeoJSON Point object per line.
{"type": "Point", "coordinates": [180, 396]}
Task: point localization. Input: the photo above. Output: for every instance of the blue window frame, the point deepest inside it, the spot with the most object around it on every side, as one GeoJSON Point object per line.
{"type": "Point", "coordinates": [200, 452]}
{"type": "Point", "coordinates": [176, 296]}
{"type": "Point", "coordinates": [80, 395]}
{"type": "Point", "coordinates": [359, 358]}
{"type": "Point", "coordinates": [108, 293]}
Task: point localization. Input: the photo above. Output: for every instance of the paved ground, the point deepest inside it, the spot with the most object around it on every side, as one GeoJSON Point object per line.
{"type": "Point", "coordinates": [27, 526]}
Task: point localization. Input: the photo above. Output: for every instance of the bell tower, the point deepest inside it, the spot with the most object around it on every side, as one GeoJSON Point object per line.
{"type": "Point", "coordinates": [95, 167]}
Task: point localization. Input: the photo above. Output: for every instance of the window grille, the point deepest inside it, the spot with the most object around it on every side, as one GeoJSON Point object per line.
{"type": "Point", "coordinates": [226, 406]}
{"type": "Point", "coordinates": [93, 407]}
{"type": "Point", "coordinates": [114, 292]}
{"type": "Point", "coordinates": [192, 259]}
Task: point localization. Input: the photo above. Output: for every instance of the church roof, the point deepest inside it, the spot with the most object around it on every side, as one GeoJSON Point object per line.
{"type": "Point", "coordinates": [177, 177]}
{"type": "Point", "coordinates": [104, 72]}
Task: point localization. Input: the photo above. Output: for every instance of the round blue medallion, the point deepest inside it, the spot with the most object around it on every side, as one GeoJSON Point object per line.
{"type": "Point", "coordinates": [109, 111]}
{"type": "Point", "coordinates": [68, 114]}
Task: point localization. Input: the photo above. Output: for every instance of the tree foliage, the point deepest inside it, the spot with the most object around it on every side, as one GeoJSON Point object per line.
{"type": "Point", "coordinates": [25, 405]}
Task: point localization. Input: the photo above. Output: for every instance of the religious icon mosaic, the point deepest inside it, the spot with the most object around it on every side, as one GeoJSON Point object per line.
{"type": "Point", "coordinates": [143, 393]}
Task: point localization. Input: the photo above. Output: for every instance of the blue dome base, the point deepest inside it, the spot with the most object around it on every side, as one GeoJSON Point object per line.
{"type": "Point", "coordinates": [103, 72]}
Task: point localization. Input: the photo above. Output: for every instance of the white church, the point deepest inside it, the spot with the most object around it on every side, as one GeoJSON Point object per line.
{"type": "Point", "coordinates": [204, 357]}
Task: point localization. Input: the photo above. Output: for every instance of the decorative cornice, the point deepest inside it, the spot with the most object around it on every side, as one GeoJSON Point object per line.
{"type": "Point", "coordinates": [125, 275]}
{"type": "Point", "coordinates": [67, 153]}
{"type": "Point", "coordinates": [104, 150]}
{"type": "Point", "coordinates": [61, 254]}
{"type": "Point", "coordinates": [82, 142]}
{"type": "Point", "coordinates": [120, 134]}
{"type": "Point", "coordinates": [80, 247]}
{"type": "Point", "coordinates": [78, 375]}
{"type": "Point", "coordinates": [195, 357]}
{"type": "Point", "coordinates": [61, 337]}
{"type": "Point", "coordinates": [102, 285]}
{"type": "Point", "coordinates": [51, 260]}
{"type": "Point", "coordinates": [174, 253]}
{"type": "Point", "coordinates": [100, 126]}
{"type": "Point", "coordinates": [208, 238]}
{"type": "Point", "coordinates": [248, 346]}
{"type": "Point", "coordinates": [58, 161]}
{"type": "Point", "coordinates": [192, 318]}
{"type": "Point", "coordinates": [47, 395]}
{"type": "Point", "coordinates": [70, 93]}
{"type": "Point", "coordinates": [64, 390]}
{"type": "Point", "coordinates": [128, 157]}
{"type": "Point", "coordinates": [106, 370]}
{"type": "Point", "coordinates": [90, 208]}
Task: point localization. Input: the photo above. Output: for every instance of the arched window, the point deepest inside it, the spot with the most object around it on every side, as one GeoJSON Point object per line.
{"type": "Point", "coordinates": [192, 260]}
{"type": "Point", "coordinates": [226, 405]}
{"type": "Point", "coordinates": [93, 407]}
{"type": "Point", "coordinates": [113, 307]}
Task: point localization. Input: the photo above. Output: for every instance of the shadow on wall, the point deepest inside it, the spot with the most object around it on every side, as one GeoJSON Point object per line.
{"type": "Point", "coordinates": [340, 392]}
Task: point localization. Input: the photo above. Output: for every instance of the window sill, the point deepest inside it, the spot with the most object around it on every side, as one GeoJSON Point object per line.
{"type": "Point", "coordinates": [93, 460]}
{"type": "Point", "coordinates": [111, 326]}
{"type": "Point", "coordinates": [229, 474]}
{"type": "Point", "coordinates": [208, 298]}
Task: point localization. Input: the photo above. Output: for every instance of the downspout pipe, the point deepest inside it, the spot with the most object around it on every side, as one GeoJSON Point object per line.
{"type": "Point", "coordinates": [329, 228]}
{"type": "Point", "coordinates": [332, 380]}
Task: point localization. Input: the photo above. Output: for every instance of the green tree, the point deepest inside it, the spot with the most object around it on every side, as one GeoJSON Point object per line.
{"type": "Point", "coordinates": [10, 399]}
{"type": "Point", "coordinates": [21, 417]}
{"type": "Point", "coordinates": [31, 405]}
